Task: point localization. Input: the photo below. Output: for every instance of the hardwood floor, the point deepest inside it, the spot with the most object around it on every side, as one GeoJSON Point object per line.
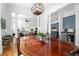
{"type": "Point", "coordinates": [10, 50]}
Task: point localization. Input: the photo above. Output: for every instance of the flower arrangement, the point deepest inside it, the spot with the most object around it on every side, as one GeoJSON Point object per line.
{"type": "Point", "coordinates": [42, 36]}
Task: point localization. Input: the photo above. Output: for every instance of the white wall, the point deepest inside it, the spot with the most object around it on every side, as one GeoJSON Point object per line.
{"type": "Point", "coordinates": [55, 17]}
{"type": "Point", "coordinates": [43, 23]}
{"type": "Point", "coordinates": [6, 14]}
{"type": "Point", "coordinates": [1, 50]}
{"type": "Point", "coordinates": [44, 16]}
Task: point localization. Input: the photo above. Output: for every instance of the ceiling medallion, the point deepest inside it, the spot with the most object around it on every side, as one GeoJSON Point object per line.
{"type": "Point", "coordinates": [37, 8]}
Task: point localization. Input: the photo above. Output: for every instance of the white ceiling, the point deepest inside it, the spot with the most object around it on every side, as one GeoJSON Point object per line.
{"type": "Point", "coordinates": [25, 8]}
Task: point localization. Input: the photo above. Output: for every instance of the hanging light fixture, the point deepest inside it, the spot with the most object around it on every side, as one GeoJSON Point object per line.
{"type": "Point", "coordinates": [37, 9]}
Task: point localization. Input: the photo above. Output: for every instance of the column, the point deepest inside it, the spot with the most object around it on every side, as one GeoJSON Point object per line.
{"type": "Point", "coordinates": [16, 25]}
{"type": "Point", "coordinates": [38, 23]}
{"type": "Point", "coordinates": [77, 25]}
{"type": "Point", "coordinates": [60, 24]}
{"type": "Point", "coordinates": [49, 31]}
{"type": "Point", "coordinates": [49, 24]}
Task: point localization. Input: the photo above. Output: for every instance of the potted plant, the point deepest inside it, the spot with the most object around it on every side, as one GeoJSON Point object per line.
{"type": "Point", "coordinates": [42, 36]}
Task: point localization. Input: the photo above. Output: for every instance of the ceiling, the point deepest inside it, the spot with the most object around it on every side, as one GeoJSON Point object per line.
{"type": "Point", "coordinates": [25, 8]}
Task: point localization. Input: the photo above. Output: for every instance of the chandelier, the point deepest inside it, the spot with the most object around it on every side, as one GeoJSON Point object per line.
{"type": "Point", "coordinates": [37, 9]}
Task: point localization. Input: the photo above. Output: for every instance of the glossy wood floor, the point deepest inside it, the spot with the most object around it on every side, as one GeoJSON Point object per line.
{"type": "Point", "coordinates": [10, 50]}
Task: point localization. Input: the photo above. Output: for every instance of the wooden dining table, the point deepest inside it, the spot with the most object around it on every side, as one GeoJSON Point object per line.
{"type": "Point", "coordinates": [32, 46]}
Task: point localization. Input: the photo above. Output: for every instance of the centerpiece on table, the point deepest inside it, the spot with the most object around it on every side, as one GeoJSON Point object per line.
{"type": "Point", "coordinates": [42, 37]}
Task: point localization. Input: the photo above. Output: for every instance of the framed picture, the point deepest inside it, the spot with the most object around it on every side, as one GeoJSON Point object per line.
{"type": "Point", "coordinates": [3, 23]}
